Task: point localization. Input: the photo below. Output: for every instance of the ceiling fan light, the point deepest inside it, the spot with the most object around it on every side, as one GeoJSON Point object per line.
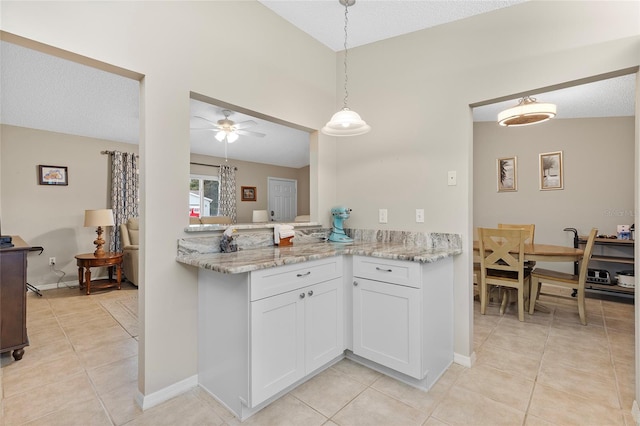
{"type": "Point", "coordinates": [346, 123]}
{"type": "Point", "coordinates": [527, 112]}
{"type": "Point", "coordinates": [220, 135]}
{"type": "Point", "coordinates": [232, 137]}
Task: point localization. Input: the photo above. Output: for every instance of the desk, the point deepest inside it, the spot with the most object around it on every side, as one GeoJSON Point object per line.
{"type": "Point", "coordinates": [13, 301]}
{"type": "Point", "coordinates": [87, 261]}
{"type": "Point", "coordinates": [542, 253]}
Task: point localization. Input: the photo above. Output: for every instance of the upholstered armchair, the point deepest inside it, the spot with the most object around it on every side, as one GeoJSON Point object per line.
{"type": "Point", "coordinates": [130, 238]}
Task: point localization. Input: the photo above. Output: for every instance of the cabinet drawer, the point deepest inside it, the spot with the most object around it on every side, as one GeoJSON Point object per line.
{"type": "Point", "coordinates": [387, 270]}
{"type": "Point", "coordinates": [272, 281]}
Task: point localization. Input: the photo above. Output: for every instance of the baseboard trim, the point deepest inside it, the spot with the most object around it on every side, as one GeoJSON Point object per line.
{"type": "Point", "coordinates": [635, 412]}
{"type": "Point", "coordinates": [147, 401]}
{"type": "Point", "coordinates": [465, 361]}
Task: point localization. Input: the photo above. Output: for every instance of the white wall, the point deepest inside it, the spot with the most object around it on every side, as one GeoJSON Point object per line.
{"type": "Point", "coordinates": [598, 177]}
{"type": "Point", "coordinates": [276, 71]}
{"type": "Point", "coordinates": [413, 90]}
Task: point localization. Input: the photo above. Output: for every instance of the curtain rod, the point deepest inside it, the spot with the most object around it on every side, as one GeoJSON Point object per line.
{"type": "Point", "coordinates": [111, 152]}
{"type": "Point", "coordinates": [210, 165]}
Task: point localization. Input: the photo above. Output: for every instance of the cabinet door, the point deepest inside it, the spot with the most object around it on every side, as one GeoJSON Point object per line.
{"type": "Point", "coordinates": [386, 325]}
{"type": "Point", "coordinates": [324, 330]}
{"type": "Point", "coordinates": [277, 344]}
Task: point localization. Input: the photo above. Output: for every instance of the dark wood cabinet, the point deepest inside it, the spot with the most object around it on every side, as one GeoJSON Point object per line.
{"type": "Point", "coordinates": [13, 299]}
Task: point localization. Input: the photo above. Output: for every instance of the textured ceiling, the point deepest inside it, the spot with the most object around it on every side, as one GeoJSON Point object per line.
{"type": "Point", "coordinates": [44, 92]}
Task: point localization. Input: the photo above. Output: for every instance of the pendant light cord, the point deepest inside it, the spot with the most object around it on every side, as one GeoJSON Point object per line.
{"type": "Point", "coordinates": [346, 78]}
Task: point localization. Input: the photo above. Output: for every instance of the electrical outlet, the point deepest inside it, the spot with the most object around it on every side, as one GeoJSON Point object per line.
{"type": "Point", "coordinates": [452, 179]}
{"type": "Point", "coordinates": [382, 215]}
{"type": "Point", "coordinates": [419, 215]}
{"type": "Point", "coordinates": [52, 261]}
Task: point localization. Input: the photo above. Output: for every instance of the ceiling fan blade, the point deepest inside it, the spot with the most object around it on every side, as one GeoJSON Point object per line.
{"type": "Point", "coordinates": [250, 133]}
{"type": "Point", "coordinates": [198, 122]}
{"type": "Point", "coordinates": [245, 124]}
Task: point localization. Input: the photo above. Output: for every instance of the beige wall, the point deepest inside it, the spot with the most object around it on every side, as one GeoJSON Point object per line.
{"type": "Point", "coordinates": [256, 174]}
{"type": "Point", "coordinates": [53, 216]}
{"type": "Point", "coordinates": [598, 177]}
{"type": "Point", "coordinates": [414, 91]}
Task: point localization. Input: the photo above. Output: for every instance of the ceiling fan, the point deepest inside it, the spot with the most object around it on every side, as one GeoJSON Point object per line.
{"type": "Point", "coordinates": [226, 128]}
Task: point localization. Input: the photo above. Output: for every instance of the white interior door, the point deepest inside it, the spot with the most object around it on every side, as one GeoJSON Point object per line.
{"type": "Point", "coordinates": [283, 199]}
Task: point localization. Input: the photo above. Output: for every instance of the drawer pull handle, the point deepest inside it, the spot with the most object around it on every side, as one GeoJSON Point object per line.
{"type": "Point", "coordinates": [304, 275]}
{"type": "Point", "coordinates": [302, 295]}
{"type": "Point", "coordinates": [310, 293]}
{"type": "Point", "coordinates": [383, 270]}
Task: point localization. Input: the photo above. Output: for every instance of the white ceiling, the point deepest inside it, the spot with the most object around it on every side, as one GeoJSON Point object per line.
{"type": "Point", "coordinates": [44, 92]}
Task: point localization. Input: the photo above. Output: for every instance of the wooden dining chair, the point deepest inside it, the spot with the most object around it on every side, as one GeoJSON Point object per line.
{"type": "Point", "coordinates": [564, 280]}
{"type": "Point", "coordinates": [502, 264]}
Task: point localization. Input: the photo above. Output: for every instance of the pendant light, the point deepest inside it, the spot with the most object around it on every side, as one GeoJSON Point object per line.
{"type": "Point", "coordinates": [346, 122]}
{"type": "Point", "coordinates": [528, 111]}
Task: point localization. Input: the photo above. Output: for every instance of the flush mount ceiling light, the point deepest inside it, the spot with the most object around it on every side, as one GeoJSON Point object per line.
{"type": "Point", "coordinates": [346, 122]}
{"type": "Point", "coordinates": [528, 111]}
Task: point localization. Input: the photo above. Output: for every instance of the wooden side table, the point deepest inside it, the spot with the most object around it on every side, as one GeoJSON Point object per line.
{"type": "Point", "coordinates": [87, 261]}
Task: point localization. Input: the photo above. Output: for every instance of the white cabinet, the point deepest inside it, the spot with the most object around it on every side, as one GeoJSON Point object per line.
{"type": "Point", "coordinates": [293, 334]}
{"type": "Point", "coordinates": [263, 331]}
{"type": "Point", "coordinates": [403, 317]}
{"type": "Point", "coordinates": [386, 325]}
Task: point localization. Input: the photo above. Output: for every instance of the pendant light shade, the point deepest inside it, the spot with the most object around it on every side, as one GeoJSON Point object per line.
{"type": "Point", "coordinates": [528, 111]}
{"type": "Point", "coordinates": [346, 122]}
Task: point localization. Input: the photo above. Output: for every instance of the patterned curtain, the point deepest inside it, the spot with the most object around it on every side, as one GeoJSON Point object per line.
{"type": "Point", "coordinates": [124, 193]}
{"type": "Point", "coordinates": [228, 192]}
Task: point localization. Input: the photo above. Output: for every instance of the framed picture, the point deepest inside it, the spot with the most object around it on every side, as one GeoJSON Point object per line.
{"type": "Point", "coordinates": [551, 171]}
{"type": "Point", "coordinates": [52, 175]}
{"type": "Point", "coordinates": [507, 171]}
{"type": "Point", "coordinates": [248, 193]}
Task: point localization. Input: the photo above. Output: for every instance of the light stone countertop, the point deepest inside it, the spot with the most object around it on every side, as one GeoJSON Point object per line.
{"type": "Point", "coordinates": [272, 256]}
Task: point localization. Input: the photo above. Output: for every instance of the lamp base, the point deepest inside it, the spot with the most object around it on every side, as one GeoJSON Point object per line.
{"type": "Point", "coordinates": [99, 242]}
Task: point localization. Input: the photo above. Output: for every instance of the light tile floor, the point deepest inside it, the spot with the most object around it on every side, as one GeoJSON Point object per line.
{"type": "Point", "coordinates": [81, 369]}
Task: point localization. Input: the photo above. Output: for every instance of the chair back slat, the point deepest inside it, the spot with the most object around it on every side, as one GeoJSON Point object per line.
{"type": "Point", "coordinates": [501, 249]}
{"type": "Point", "coordinates": [530, 228]}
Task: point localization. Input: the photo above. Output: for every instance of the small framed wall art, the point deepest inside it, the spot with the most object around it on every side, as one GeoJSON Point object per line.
{"type": "Point", "coordinates": [507, 172]}
{"type": "Point", "coordinates": [551, 171]}
{"type": "Point", "coordinates": [52, 175]}
{"type": "Point", "coordinates": [248, 193]}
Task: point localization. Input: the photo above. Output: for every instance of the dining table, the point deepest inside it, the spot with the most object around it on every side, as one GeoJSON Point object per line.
{"type": "Point", "coordinates": [541, 253]}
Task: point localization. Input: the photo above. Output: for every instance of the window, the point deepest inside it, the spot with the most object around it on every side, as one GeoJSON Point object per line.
{"type": "Point", "coordinates": [203, 196]}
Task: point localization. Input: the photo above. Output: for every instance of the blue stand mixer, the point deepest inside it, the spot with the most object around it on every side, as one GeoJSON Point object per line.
{"type": "Point", "coordinates": [337, 232]}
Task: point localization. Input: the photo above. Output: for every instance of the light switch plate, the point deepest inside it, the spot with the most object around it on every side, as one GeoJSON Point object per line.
{"type": "Point", "coordinates": [452, 179]}
{"type": "Point", "coordinates": [419, 215]}
{"type": "Point", "coordinates": [382, 215]}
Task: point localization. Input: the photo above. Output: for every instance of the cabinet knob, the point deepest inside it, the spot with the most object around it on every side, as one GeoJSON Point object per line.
{"type": "Point", "coordinates": [302, 295]}
{"type": "Point", "coordinates": [310, 293]}
{"type": "Point", "coordinates": [355, 283]}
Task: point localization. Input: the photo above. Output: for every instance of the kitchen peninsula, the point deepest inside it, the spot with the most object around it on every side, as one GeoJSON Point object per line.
{"type": "Point", "coordinates": [272, 317]}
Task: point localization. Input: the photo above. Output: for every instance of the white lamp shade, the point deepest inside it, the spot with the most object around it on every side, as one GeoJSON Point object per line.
{"type": "Point", "coordinates": [220, 135]}
{"type": "Point", "coordinates": [232, 137]}
{"type": "Point", "coordinates": [346, 123]}
{"type": "Point", "coordinates": [102, 217]}
{"type": "Point", "coordinates": [260, 216]}
{"type": "Point", "coordinates": [526, 113]}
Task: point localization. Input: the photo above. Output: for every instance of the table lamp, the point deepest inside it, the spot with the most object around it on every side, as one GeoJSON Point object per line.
{"type": "Point", "coordinates": [260, 216]}
{"type": "Point", "coordinates": [99, 218]}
